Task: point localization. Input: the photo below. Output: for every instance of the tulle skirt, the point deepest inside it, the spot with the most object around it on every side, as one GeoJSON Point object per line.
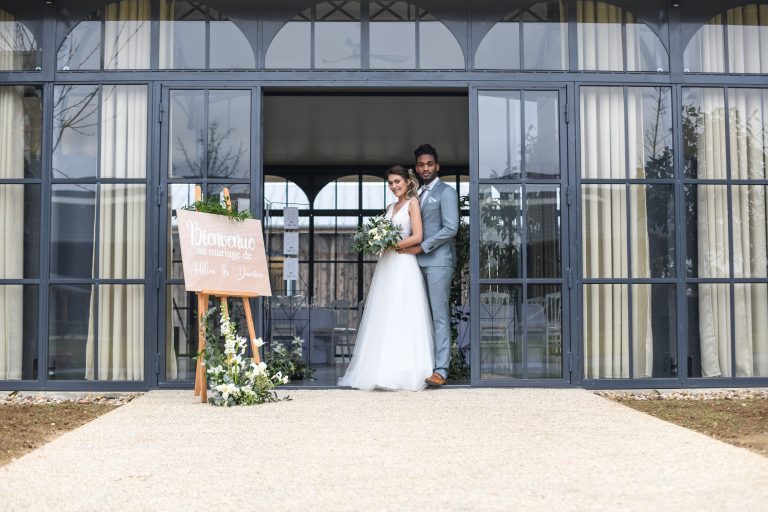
{"type": "Point", "coordinates": [394, 348]}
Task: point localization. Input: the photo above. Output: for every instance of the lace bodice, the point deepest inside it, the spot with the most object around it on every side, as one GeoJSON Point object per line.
{"type": "Point", "coordinates": [401, 218]}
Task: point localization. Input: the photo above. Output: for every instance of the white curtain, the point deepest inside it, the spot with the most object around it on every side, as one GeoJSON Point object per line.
{"type": "Point", "coordinates": [605, 236]}
{"type": "Point", "coordinates": [121, 240]}
{"type": "Point", "coordinates": [167, 18]}
{"type": "Point", "coordinates": [600, 44]}
{"type": "Point", "coordinates": [127, 34]}
{"type": "Point", "coordinates": [748, 39]}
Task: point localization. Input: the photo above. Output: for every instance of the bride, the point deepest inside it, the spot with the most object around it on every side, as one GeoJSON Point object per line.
{"type": "Point", "coordinates": [394, 348]}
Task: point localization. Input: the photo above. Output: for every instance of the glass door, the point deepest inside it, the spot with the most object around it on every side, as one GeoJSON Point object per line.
{"type": "Point", "coordinates": [207, 140]}
{"type": "Point", "coordinates": [520, 243]}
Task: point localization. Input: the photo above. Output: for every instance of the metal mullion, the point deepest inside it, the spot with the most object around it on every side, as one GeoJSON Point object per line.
{"type": "Point", "coordinates": [729, 199]}
{"type": "Point", "coordinates": [207, 39]}
{"type": "Point", "coordinates": [206, 107]}
{"type": "Point", "coordinates": [523, 234]}
{"type": "Point", "coordinates": [520, 43]}
{"type": "Point", "coordinates": [45, 237]}
{"type": "Point", "coordinates": [628, 215]}
{"type": "Point", "coordinates": [102, 40]}
{"type": "Point", "coordinates": [474, 222]}
{"type": "Point", "coordinates": [726, 48]}
{"type": "Point", "coordinates": [417, 35]}
{"type": "Point", "coordinates": [365, 34]}
{"type": "Point", "coordinates": [312, 34]}
{"type": "Point", "coordinates": [624, 46]}
{"type": "Point", "coordinates": [21, 181]}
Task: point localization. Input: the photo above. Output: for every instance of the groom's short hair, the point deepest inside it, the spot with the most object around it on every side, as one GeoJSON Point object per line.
{"type": "Point", "coordinates": [426, 149]}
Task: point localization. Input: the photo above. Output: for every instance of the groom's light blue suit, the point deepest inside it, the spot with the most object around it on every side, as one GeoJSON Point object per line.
{"type": "Point", "coordinates": [440, 219]}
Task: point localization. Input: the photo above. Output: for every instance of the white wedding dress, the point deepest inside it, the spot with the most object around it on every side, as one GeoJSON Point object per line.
{"type": "Point", "coordinates": [394, 348]}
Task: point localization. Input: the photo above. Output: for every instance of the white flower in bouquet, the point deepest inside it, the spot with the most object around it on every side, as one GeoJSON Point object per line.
{"type": "Point", "coordinates": [258, 342]}
{"type": "Point", "coordinates": [378, 235]}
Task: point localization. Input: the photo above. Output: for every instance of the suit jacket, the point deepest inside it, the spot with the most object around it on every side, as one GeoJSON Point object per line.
{"type": "Point", "coordinates": [440, 220]}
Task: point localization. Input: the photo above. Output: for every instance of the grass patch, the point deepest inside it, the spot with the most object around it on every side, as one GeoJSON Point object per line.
{"type": "Point", "coordinates": [741, 423]}
{"type": "Point", "coordinates": [25, 427]}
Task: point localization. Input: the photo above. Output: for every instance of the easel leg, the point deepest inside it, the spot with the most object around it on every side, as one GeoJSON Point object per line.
{"type": "Point", "coordinates": [251, 329]}
{"type": "Point", "coordinates": [201, 370]}
{"type": "Point", "coordinates": [200, 338]}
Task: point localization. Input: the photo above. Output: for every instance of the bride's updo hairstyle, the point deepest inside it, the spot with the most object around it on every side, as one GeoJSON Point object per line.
{"type": "Point", "coordinates": [409, 176]}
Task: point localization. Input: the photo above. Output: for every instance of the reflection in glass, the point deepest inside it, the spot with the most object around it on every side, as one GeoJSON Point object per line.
{"type": "Point", "coordinates": [18, 332]}
{"type": "Point", "coordinates": [606, 331]}
{"type": "Point", "coordinates": [500, 48]}
{"type": "Point", "coordinates": [239, 195]}
{"type": "Point", "coordinates": [649, 111]}
{"type": "Point", "coordinates": [438, 47]}
{"type": "Point", "coordinates": [337, 45]}
{"type": "Point", "coordinates": [748, 126]}
{"type": "Point", "coordinates": [603, 149]}
{"type": "Point", "coordinates": [543, 231]}
{"type": "Point", "coordinates": [750, 231]}
{"type": "Point", "coordinates": [704, 133]}
{"type": "Point", "coordinates": [73, 210]}
{"type": "Point", "coordinates": [545, 35]}
{"type": "Point", "coordinates": [81, 48]}
{"type": "Point", "coordinates": [229, 47]}
{"type": "Point", "coordinates": [229, 134]}
{"type": "Point", "coordinates": [709, 330]}
{"type": "Point", "coordinates": [600, 41]}
{"type": "Point", "coordinates": [604, 231]}
{"type": "Point", "coordinates": [179, 195]}
{"type": "Point", "coordinates": [182, 42]}
{"type": "Point", "coordinates": [541, 139]}
{"type": "Point", "coordinates": [654, 331]}
{"type": "Point", "coordinates": [127, 34]}
{"type": "Point", "coordinates": [500, 331]}
{"type": "Point", "coordinates": [75, 131]}
{"type": "Point", "coordinates": [122, 228]}
{"type": "Point", "coordinates": [500, 136]}
{"type": "Point", "coordinates": [20, 231]}
{"type": "Point", "coordinates": [751, 320]}
{"type": "Point", "coordinates": [705, 52]}
{"type": "Point", "coordinates": [70, 312]}
{"type": "Point", "coordinates": [290, 49]}
{"type": "Point", "coordinates": [645, 51]}
{"type": "Point", "coordinates": [21, 131]}
{"type": "Point", "coordinates": [393, 44]}
{"type": "Point", "coordinates": [544, 328]}
{"type": "Point", "coordinates": [652, 230]}
{"type": "Point", "coordinates": [374, 193]}
{"type": "Point", "coordinates": [181, 333]}
{"type": "Point", "coordinates": [120, 340]}
{"type": "Point", "coordinates": [706, 235]}
{"type": "Point", "coordinates": [18, 45]}
{"type": "Point", "coordinates": [187, 145]}
{"type": "Point", "coordinates": [500, 231]}
{"type": "Point", "coordinates": [280, 192]}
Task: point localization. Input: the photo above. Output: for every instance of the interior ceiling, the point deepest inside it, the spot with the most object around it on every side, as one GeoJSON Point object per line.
{"type": "Point", "coordinates": [363, 129]}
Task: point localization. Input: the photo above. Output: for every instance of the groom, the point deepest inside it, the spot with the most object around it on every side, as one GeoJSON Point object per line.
{"type": "Point", "coordinates": [437, 253]}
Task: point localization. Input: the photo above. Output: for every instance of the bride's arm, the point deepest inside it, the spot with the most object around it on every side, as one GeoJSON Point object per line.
{"type": "Point", "coordinates": [416, 229]}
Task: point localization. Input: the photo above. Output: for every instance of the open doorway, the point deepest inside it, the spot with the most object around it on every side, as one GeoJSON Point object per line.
{"type": "Point", "coordinates": [325, 154]}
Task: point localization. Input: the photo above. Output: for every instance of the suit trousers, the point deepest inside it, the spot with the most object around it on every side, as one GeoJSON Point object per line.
{"type": "Point", "coordinates": [438, 283]}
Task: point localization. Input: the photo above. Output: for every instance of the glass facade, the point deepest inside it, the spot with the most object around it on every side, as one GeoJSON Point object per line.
{"type": "Point", "coordinates": [613, 157]}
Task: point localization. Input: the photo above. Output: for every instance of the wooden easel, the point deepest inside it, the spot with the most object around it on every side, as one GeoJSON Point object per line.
{"type": "Point", "coordinates": [201, 380]}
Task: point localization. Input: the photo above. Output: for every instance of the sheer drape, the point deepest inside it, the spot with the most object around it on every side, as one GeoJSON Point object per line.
{"type": "Point", "coordinates": [121, 240]}
{"type": "Point", "coordinates": [127, 34]}
{"type": "Point", "coordinates": [11, 227]}
{"type": "Point", "coordinates": [748, 39]}
{"type": "Point", "coordinates": [167, 17]}
{"type": "Point", "coordinates": [605, 236]}
{"type": "Point", "coordinates": [600, 44]}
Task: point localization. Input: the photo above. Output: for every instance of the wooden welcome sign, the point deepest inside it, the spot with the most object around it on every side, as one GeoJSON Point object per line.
{"type": "Point", "coordinates": [222, 258]}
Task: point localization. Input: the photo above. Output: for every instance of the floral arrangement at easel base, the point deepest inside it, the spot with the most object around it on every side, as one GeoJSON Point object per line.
{"type": "Point", "coordinates": [234, 379]}
{"type": "Point", "coordinates": [289, 361]}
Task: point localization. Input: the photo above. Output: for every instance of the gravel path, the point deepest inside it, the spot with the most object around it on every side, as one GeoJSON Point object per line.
{"type": "Point", "coordinates": [336, 450]}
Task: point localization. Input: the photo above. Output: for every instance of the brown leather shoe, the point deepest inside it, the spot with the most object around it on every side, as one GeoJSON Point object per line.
{"type": "Point", "coordinates": [435, 379]}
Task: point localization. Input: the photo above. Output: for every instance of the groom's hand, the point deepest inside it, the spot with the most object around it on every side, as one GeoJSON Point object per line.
{"type": "Point", "coordinates": [414, 249]}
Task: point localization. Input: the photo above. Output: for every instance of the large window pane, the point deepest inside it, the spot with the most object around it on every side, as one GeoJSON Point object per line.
{"type": "Point", "coordinates": [545, 33]}
{"type": "Point", "coordinates": [20, 231]}
{"type": "Point", "coordinates": [179, 195]}
{"type": "Point", "coordinates": [17, 45]}
{"type": "Point", "coordinates": [604, 231]}
{"type": "Point", "coordinates": [706, 224]}
{"type": "Point", "coordinates": [544, 231]}
{"type": "Point", "coordinates": [229, 134]}
{"type": "Point", "coordinates": [606, 331]}
{"type": "Point", "coordinates": [438, 47]}
{"type": "Point", "coordinates": [337, 45]}
{"type": "Point", "coordinates": [229, 47]}
{"type": "Point", "coordinates": [70, 316]}
{"type": "Point", "coordinates": [18, 332]}
{"type": "Point", "coordinates": [748, 126]}
{"type": "Point", "coordinates": [747, 38]}
{"type": "Point", "coordinates": [705, 51]}
{"type": "Point", "coordinates": [393, 44]}
{"type": "Point", "coordinates": [290, 49]}
{"type": "Point", "coordinates": [654, 330]}
{"type": "Point", "coordinates": [127, 34]}
{"type": "Point", "coordinates": [500, 48]}
{"type": "Point", "coordinates": [645, 52]}
{"type": "Point", "coordinates": [652, 230]}
{"type": "Point", "coordinates": [709, 330]}
{"type": "Point", "coordinates": [73, 211]}
{"type": "Point", "coordinates": [75, 131]}
{"type": "Point", "coordinates": [120, 341]}
{"type": "Point", "coordinates": [542, 139]}
{"type": "Point", "coordinates": [186, 134]}
{"type": "Point", "coordinates": [751, 321]}
{"type": "Point", "coordinates": [500, 331]}
{"type": "Point", "coordinates": [501, 225]}
{"type": "Point", "coordinates": [374, 193]}
{"type": "Point", "coordinates": [181, 334]}
{"type": "Point", "coordinates": [750, 231]}
{"type": "Point", "coordinates": [124, 131]}
{"type": "Point", "coordinates": [81, 48]}
{"type": "Point", "coordinates": [182, 43]}
{"type": "Point", "coordinates": [603, 148]}
{"type": "Point", "coordinates": [20, 131]}
{"type": "Point", "coordinates": [649, 130]}
{"type": "Point", "coordinates": [599, 33]}
{"type": "Point", "coordinates": [122, 228]}
{"type": "Point", "coordinates": [500, 134]}
{"type": "Point", "coordinates": [704, 134]}
{"type": "Point", "coordinates": [544, 326]}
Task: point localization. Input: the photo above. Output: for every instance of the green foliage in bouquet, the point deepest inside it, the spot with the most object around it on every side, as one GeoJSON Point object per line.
{"type": "Point", "coordinates": [289, 360]}
{"type": "Point", "coordinates": [213, 205]}
{"type": "Point", "coordinates": [376, 236]}
{"type": "Point", "coordinates": [234, 379]}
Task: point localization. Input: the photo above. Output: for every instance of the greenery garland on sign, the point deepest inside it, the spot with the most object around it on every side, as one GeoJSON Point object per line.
{"type": "Point", "coordinates": [216, 206]}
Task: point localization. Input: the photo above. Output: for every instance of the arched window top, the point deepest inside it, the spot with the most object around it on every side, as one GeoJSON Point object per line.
{"type": "Point", "coordinates": [335, 33]}
{"type": "Point", "coordinates": [745, 29]}
{"type": "Point", "coordinates": [191, 36]}
{"type": "Point", "coordinates": [280, 192]}
{"type": "Point", "coordinates": [534, 36]}
{"type": "Point", "coordinates": [18, 46]}
{"type": "Point", "coordinates": [611, 39]}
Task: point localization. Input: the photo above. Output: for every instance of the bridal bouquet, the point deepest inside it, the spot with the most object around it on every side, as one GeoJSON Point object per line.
{"type": "Point", "coordinates": [376, 236]}
{"type": "Point", "coordinates": [233, 378]}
